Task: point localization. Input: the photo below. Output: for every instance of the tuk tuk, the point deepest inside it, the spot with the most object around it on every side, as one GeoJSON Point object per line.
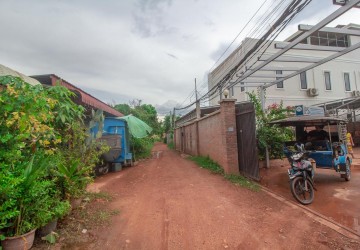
{"type": "Point", "coordinates": [329, 152]}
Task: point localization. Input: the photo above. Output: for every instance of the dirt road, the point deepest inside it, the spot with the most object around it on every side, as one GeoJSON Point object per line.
{"type": "Point", "coordinates": [170, 203]}
{"type": "Point", "coordinates": [335, 198]}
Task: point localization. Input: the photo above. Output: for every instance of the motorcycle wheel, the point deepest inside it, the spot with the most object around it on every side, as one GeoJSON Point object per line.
{"type": "Point", "coordinates": [348, 171]}
{"type": "Point", "coordinates": [297, 187]}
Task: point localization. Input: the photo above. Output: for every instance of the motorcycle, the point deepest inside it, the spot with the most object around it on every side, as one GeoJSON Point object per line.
{"type": "Point", "coordinates": [301, 175]}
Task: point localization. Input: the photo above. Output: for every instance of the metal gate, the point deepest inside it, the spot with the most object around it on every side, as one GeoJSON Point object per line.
{"type": "Point", "coordinates": [246, 139]}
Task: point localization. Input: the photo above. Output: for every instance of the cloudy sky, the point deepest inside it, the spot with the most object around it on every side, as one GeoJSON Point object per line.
{"type": "Point", "coordinates": [119, 50]}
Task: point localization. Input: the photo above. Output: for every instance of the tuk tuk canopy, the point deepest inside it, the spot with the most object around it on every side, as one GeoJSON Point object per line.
{"type": "Point", "coordinates": [308, 120]}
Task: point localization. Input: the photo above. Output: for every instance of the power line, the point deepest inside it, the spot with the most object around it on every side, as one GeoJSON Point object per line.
{"type": "Point", "coordinates": [259, 27]}
{"type": "Point", "coordinates": [280, 22]}
{"type": "Point", "coordinates": [205, 83]}
{"type": "Point", "coordinates": [238, 35]}
{"type": "Point", "coordinates": [292, 9]}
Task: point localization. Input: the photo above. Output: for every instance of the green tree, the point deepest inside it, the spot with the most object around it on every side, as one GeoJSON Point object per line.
{"type": "Point", "coordinates": [124, 108]}
{"type": "Point", "coordinates": [145, 112]}
{"type": "Point", "coordinates": [166, 125]}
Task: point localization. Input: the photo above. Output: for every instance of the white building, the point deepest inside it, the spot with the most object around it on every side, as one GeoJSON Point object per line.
{"type": "Point", "coordinates": [337, 79]}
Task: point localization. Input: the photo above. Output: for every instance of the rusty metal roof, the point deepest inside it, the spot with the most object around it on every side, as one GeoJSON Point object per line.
{"type": "Point", "coordinates": [85, 99]}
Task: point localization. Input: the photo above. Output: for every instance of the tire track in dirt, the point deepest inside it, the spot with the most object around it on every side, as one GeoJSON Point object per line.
{"type": "Point", "coordinates": [165, 227]}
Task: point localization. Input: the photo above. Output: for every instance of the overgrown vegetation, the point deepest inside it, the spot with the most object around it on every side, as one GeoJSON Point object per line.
{"type": "Point", "coordinates": [44, 157]}
{"type": "Point", "coordinates": [141, 147]}
{"type": "Point", "coordinates": [206, 162]}
{"type": "Point", "coordinates": [271, 136]}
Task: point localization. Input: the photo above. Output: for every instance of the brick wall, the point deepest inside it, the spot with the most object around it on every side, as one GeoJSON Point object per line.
{"type": "Point", "coordinates": [213, 135]}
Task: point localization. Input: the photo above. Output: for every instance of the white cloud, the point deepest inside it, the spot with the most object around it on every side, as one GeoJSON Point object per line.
{"type": "Point", "coordinates": [146, 49]}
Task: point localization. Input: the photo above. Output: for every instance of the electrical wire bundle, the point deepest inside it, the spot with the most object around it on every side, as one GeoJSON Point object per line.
{"type": "Point", "coordinates": [280, 15]}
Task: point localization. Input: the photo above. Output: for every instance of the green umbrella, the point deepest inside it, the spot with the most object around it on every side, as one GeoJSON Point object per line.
{"type": "Point", "coordinates": [137, 127]}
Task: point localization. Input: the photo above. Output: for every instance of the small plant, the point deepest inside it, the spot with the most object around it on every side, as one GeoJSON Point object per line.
{"type": "Point", "coordinates": [242, 181]}
{"type": "Point", "coordinates": [95, 212]}
{"type": "Point", "coordinates": [206, 162]}
{"type": "Point", "coordinates": [98, 196]}
{"type": "Point", "coordinates": [51, 237]}
{"type": "Point", "coordinates": [103, 217]}
{"type": "Point", "coordinates": [73, 178]}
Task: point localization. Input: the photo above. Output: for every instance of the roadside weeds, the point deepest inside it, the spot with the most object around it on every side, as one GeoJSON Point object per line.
{"type": "Point", "coordinates": [78, 228]}
{"type": "Point", "coordinates": [206, 162]}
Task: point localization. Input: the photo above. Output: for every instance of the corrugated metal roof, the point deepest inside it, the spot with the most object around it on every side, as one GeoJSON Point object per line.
{"type": "Point", "coordinates": [6, 71]}
{"type": "Point", "coordinates": [308, 120]}
{"type": "Point", "coordinates": [85, 98]}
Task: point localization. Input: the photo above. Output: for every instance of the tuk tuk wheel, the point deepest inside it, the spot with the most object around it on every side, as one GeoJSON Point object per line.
{"type": "Point", "coordinates": [348, 170]}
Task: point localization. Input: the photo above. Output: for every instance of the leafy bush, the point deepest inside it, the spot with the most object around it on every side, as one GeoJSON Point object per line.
{"type": "Point", "coordinates": [141, 148]}
{"type": "Point", "coordinates": [44, 156]}
{"type": "Point", "coordinates": [28, 199]}
{"type": "Point", "coordinates": [271, 136]}
{"type": "Point", "coordinates": [208, 163]}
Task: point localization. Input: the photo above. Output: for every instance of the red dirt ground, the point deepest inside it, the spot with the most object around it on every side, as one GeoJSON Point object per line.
{"type": "Point", "coordinates": [335, 198]}
{"type": "Point", "coordinates": [170, 203]}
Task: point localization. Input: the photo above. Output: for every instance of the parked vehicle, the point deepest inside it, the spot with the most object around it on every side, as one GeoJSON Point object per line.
{"type": "Point", "coordinates": [116, 136]}
{"type": "Point", "coordinates": [329, 153]}
{"type": "Point", "coordinates": [301, 174]}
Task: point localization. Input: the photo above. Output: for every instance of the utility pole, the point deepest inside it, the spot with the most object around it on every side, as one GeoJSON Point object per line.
{"type": "Point", "coordinates": [170, 119]}
{"type": "Point", "coordinates": [262, 99]}
{"type": "Point", "coordinates": [198, 112]}
{"type": "Point", "coordinates": [220, 92]}
{"type": "Point", "coordinates": [173, 119]}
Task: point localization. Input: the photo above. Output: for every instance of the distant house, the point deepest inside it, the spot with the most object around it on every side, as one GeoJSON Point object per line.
{"type": "Point", "coordinates": [336, 79]}
{"type": "Point", "coordinates": [82, 98]}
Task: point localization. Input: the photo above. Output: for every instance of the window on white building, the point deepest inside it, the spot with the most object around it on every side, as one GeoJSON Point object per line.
{"type": "Point", "coordinates": [303, 80]}
{"type": "Point", "coordinates": [322, 38]}
{"type": "Point", "coordinates": [242, 89]}
{"type": "Point", "coordinates": [327, 80]}
{"type": "Point", "coordinates": [279, 85]}
{"type": "Point", "coordinates": [347, 81]}
{"type": "Point", "coordinates": [232, 91]}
